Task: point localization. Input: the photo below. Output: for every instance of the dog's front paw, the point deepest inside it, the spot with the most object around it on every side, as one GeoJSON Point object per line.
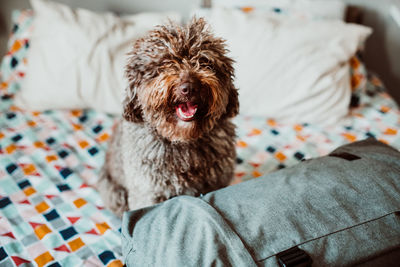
{"type": "Point", "coordinates": [118, 201]}
{"type": "Point", "coordinates": [115, 196]}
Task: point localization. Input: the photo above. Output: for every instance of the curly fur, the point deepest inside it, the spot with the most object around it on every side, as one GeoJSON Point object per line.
{"type": "Point", "coordinates": [153, 155]}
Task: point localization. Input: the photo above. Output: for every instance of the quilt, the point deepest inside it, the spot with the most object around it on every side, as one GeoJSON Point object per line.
{"type": "Point", "coordinates": [50, 212]}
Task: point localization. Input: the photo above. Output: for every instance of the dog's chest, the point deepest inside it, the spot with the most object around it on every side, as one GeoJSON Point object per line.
{"type": "Point", "coordinates": [145, 151]}
{"type": "Point", "coordinates": [149, 160]}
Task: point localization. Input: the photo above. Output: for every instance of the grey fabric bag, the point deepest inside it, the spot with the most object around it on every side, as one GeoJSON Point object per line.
{"type": "Point", "coordinates": [338, 210]}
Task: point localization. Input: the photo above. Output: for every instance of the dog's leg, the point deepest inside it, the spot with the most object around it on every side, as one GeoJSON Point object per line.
{"type": "Point", "coordinates": [114, 195]}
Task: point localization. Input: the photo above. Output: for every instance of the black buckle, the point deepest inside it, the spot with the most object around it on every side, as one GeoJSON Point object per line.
{"type": "Point", "coordinates": [294, 257]}
{"type": "Point", "coordinates": [344, 155]}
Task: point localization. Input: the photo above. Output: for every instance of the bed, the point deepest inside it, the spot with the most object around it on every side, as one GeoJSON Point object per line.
{"type": "Point", "coordinates": [50, 212]}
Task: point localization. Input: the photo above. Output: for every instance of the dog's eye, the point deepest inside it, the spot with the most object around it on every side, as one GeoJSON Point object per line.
{"type": "Point", "coordinates": [203, 61]}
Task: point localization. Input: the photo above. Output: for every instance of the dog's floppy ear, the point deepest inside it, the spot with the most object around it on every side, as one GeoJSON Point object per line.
{"type": "Point", "coordinates": [132, 110]}
{"type": "Point", "coordinates": [232, 109]}
{"type": "Point", "coordinates": [134, 73]}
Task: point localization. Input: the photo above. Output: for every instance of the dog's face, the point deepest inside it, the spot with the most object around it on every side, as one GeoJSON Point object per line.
{"type": "Point", "coordinates": [180, 81]}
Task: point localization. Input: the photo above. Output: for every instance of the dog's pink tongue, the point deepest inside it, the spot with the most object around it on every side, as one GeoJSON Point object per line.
{"type": "Point", "coordinates": [186, 111]}
{"type": "Point", "coordinates": [188, 108]}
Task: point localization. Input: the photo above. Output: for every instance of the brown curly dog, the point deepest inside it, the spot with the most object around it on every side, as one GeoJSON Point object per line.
{"type": "Point", "coordinates": [175, 136]}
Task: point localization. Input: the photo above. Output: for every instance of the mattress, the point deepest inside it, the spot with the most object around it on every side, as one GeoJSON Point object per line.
{"type": "Point", "coordinates": [50, 212]}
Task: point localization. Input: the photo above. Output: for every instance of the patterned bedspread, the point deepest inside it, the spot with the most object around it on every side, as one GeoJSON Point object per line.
{"type": "Point", "coordinates": [50, 214]}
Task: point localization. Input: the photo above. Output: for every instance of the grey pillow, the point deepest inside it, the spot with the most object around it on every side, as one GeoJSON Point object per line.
{"type": "Point", "coordinates": [338, 210]}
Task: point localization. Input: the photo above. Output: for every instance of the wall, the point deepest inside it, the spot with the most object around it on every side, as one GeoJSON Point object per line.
{"type": "Point", "coordinates": [382, 53]}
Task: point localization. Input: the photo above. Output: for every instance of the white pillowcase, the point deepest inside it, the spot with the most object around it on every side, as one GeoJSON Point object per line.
{"type": "Point", "coordinates": [76, 57]}
{"type": "Point", "coordinates": [293, 70]}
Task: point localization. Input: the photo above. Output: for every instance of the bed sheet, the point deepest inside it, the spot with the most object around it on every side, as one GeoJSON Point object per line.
{"type": "Point", "coordinates": [50, 213]}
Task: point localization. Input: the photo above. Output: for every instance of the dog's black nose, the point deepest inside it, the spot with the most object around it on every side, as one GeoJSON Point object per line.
{"type": "Point", "coordinates": [185, 88]}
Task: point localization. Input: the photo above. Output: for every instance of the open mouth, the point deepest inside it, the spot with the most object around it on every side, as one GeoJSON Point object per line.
{"type": "Point", "coordinates": [186, 111]}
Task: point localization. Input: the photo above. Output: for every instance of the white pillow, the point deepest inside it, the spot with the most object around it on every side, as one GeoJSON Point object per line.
{"type": "Point", "coordinates": [290, 69]}
{"type": "Point", "coordinates": [76, 57]}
